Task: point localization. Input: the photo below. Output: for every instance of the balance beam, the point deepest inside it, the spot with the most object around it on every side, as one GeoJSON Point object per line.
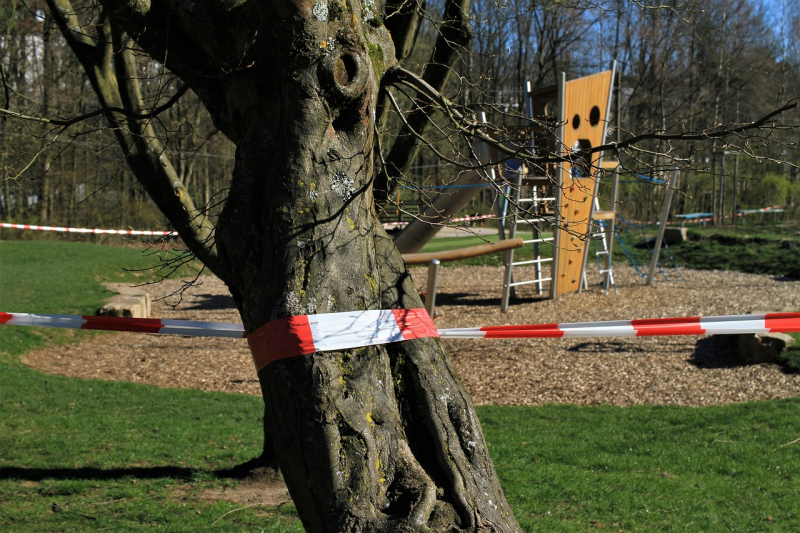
{"type": "Point", "coordinates": [462, 253]}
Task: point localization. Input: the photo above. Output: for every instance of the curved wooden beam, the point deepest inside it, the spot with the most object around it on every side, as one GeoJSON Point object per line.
{"type": "Point", "coordinates": [462, 253]}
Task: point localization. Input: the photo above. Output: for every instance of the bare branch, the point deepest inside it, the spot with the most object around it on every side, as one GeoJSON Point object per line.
{"type": "Point", "coordinates": [101, 112]}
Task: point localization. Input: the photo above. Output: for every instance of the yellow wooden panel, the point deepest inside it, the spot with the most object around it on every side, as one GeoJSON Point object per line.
{"type": "Point", "coordinates": [585, 105]}
{"type": "Point", "coordinates": [576, 203]}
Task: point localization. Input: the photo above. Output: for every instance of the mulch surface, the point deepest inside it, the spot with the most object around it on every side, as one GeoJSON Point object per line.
{"type": "Point", "coordinates": [621, 371]}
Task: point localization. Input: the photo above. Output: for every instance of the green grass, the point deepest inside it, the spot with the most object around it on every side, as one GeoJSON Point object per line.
{"type": "Point", "coordinates": [52, 277]}
{"type": "Point", "coordinates": [493, 259]}
{"type": "Point", "coordinates": [567, 468]}
{"type": "Point", "coordinates": [754, 250]}
{"type": "Point", "coordinates": [85, 455]}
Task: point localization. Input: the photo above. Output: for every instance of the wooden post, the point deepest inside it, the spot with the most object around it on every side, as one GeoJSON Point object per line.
{"type": "Point", "coordinates": [662, 226]}
{"type": "Point", "coordinates": [562, 151]}
{"type": "Point", "coordinates": [430, 293]}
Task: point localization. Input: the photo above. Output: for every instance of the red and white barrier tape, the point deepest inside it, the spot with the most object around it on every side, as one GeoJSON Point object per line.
{"type": "Point", "coordinates": [168, 233]}
{"type": "Point", "coordinates": [86, 230]}
{"type": "Point", "coordinates": [305, 334]}
{"type": "Point", "coordinates": [471, 218]}
{"type": "Point", "coordinates": [697, 325]}
{"type": "Point", "coordinates": [139, 325]}
{"type": "Point", "coordinates": [743, 212]}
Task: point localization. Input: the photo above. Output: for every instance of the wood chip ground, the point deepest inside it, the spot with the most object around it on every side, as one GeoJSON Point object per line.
{"type": "Point", "coordinates": [692, 371]}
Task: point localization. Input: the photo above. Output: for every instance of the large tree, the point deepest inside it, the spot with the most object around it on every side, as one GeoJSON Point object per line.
{"type": "Point", "coordinates": [374, 438]}
{"type": "Point", "coordinates": [369, 439]}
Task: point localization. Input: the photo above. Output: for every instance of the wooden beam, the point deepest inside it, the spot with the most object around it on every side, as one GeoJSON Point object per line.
{"type": "Point", "coordinates": [462, 253]}
{"type": "Point", "coordinates": [604, 215]}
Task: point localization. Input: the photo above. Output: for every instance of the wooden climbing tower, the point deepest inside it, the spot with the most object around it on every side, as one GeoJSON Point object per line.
{"type": "Point", "coordinates": [579, 109]}
{"type": "Point", "coordinates": [586, 104]}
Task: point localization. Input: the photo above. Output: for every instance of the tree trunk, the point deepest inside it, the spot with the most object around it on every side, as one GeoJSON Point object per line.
{"type": "Point", "coordinates": [369, 439]}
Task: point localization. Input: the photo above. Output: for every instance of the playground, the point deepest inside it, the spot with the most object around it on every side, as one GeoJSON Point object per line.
{"type": "Point", "coordinates": [694, 371]}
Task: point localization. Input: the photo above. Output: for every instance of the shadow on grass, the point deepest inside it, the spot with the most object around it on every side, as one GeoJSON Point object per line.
{"type": "Point", "coordinates": [154, 472]}
{"type": "Point", "coordinates": [254, 467]}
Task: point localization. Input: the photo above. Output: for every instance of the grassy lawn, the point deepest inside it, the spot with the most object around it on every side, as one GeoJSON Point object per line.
{"type": "Point", "coordinates": [730, 468]}
{"type": "Point", "coordinates": [756, 248]}
{"type": "Point", "coordinates": [747, 249]}
{"type": "Point", "coordinates": [81, 455]}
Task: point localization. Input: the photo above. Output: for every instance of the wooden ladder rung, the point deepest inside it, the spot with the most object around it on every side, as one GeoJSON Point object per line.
{"type": "Point", "coordinates": [604, 215]}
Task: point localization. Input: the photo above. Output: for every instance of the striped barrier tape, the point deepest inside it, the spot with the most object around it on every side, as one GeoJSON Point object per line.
{"type": "Point", "coordinates": [60, 229]}
{"type": "Point", "coordinates": [86, 230]}
{"type": "Point", "coordinates": [742, 212]}
{"type": "Point", "coordinates": [697, 325]}
{"type": "Point", "coordinates": [471, 218]}
{"type": "Point", "coordinates": [140, 325]}
{"type": "Point", "coordinates": [304, 334]}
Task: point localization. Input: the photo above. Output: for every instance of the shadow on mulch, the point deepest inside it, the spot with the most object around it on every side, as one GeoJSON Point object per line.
{"type": "Point", "coordinates": [464, 298]}
{"type": "Point", "coordinates": [794, 278]}
{"type": "Point", "coordinates": [716, 351]}
{"type": "Point", "coordinates": [212, 302]}
{"type": "Point", "coordinates": [606, 347]}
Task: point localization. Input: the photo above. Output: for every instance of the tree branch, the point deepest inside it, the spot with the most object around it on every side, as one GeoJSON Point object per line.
{"type": "Point", "coordinates": [102, 111]}
{"type": "Point", "coordinates": [472, 128]}
{"type": "Point", "coordinates": [454, 36]}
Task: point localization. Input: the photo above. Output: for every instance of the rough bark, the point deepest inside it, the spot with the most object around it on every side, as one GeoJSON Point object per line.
{"type": "Point", "coordinates": [370, 439]}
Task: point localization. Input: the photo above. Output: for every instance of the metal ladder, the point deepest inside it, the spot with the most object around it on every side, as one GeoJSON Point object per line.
{"type": "Point", "coordinates": [602, 254]}
{"type": "Point", "coordinates": [526, 209]}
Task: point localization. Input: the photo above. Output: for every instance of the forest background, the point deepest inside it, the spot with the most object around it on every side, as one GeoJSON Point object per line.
{"type": "Point", "coordinates": [680, 69]}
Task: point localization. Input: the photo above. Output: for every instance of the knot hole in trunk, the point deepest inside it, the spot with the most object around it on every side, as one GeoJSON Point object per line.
{"type": "Point", "coordinates": [344, 74]}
